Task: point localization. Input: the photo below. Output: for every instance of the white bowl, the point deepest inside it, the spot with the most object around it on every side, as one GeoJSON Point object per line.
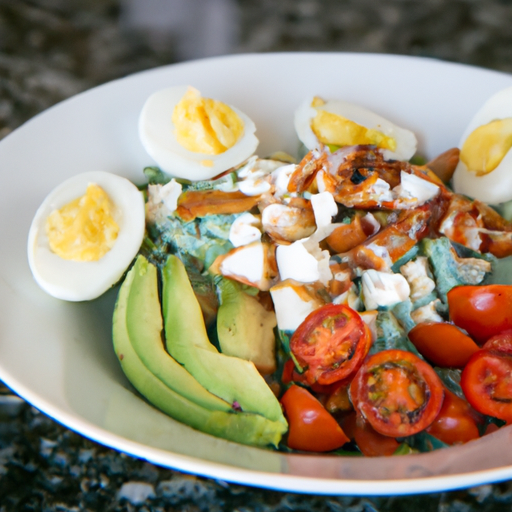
{"type": "Point", "coordinates": [59, 356]}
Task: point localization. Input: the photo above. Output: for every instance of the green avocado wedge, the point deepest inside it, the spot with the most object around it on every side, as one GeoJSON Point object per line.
{"type": "Point", "coordinates": [145, 328]}
{"type": "Point", "coordinates": [244, 428]}
{"type": "Point", "coordinates": [245, 328]}
{"type": "Point", "coordinates": [233, 379]}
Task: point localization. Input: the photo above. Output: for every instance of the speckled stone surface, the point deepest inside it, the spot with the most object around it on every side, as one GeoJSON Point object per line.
{"type": "Point", "coordinates": [53, 49]}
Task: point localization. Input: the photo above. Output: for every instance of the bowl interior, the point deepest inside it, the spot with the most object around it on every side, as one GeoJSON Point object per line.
{"type": "Point", "coordinates": [59, 355]}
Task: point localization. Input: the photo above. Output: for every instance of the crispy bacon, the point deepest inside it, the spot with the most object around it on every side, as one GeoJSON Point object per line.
{"type": "Point", "coordinates": [199, 203]}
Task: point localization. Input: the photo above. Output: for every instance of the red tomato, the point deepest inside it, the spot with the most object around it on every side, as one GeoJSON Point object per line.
{"type": "Point", "coordinates": [483, 311]}
{"type": "Point", "coordinates": [290, 374]}
{"type": "Point", "coordinates": [370, 442]}
{"type": "Point", "coordinates": [310, 427]}
{"type": "Point", "coordinates": [487, 378]}
{"type": "Point", "coordinates": [456, 422]}
{"type": "Point", "coordinates": [338, 400]}
{"type": "Point", "coordinates": [502, 342]}
{"type": "Point", "coordinates": [443, 344]}
{"type": "Point", "coordinates": [397, 392]}
{"type": "Point", "coordinates": [331, 343]}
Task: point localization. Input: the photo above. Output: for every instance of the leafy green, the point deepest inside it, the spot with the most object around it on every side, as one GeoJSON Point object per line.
{"type": "Point", "coordinates": [423, 442]}
{"type": "Point", "coordinates": [202, 239]}
{"type": "Point", "coordinates": [451, 379]}
{"type": "Point", "coordinates": [156, 176]}
{"type": "Point", "coordinates": [449, 270]}
{"type": "Point", "coordinates": [390, 334]}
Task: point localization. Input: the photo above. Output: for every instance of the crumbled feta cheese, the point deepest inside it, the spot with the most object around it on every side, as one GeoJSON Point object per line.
{"type": "Point", "coordinates": [324, 208]}
{"type": "Point", "coordinates": [281, 178]}
{"type": "Point", "coordinates": [255, 175]}
{"type": "Point", "coordinates": [292, 304]}
{"type": "Point", "coordinates": [254, 186]}
{"type": "Point", "coordinates": [415, 188]}
{"type": "Point", "coordinates": [295, 262]}
{"type": "Point", "coordinates": [162, 200]}
{"type": "Point", "coordinates": [248, 263]}
{"type": "Point", "coordinates": [245, 230]}
{"type": "Point", "coordinates": [383, 288]}
{"type": "Point", "coordinates": [417, 274]}
{"type": "Point", "coordinates": [381, 191]}
{"type": "Point", "coordinates": [427, 313]}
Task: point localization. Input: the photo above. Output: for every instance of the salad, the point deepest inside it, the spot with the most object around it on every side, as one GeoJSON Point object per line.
{"type": "Point", "coordinates": [340, 300]}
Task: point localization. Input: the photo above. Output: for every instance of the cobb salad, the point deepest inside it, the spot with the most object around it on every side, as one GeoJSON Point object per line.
{"type": "Point", "coordinates": [339, 300]}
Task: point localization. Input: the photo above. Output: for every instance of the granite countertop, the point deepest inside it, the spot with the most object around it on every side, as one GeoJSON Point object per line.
{"type": "Point", "coordinates": [53, 49]}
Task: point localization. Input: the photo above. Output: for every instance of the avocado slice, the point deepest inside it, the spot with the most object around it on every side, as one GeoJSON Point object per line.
{"type": "Point", "coordinates": [235, 380]}
{"type": "Point", "coordinates": [245, 328]}
{"type": "Point", "coordinates": [244, 428]}
{"type": "Point", "coordinates": [145, 327]}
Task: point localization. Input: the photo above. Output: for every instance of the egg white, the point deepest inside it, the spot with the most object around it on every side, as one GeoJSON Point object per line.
{"type": "Point", "coordinates": [406, 141]}
{"type": "Point", "coordinates": [496, 186]}
{"type": "Point", "coordinates": [87, 280]}
{"type": "Point", "coordinates": [157, 134]}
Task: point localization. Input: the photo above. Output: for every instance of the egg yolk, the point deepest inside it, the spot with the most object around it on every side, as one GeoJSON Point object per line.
{"type": "Point", "coordinates": [84, 229]}
{"type": "Point", "coordinates": [203, 125]}
{"type": "Point", "coordinates": [337, 130]}
{"type": "Point", "coordinates": [486, 146]}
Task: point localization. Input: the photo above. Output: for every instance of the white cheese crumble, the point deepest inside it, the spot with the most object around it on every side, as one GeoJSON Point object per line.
{"type": "Point", "coordinates": [281, 177]}
{"type": "Point", "coordinates": [324, 208]}
{"type": "Point", "coordinates": [292, 305]}
{"type": "Point", "coordinates": [383, 288]}
{"type": "Point", "coordinates": [255, 175]}
{"type": "Point", "coordinates": [381, 191]}
{"type": "Point", "coordinates": [162, 200]}
{"type": "Point", "coordinates": [248, 262]}
{"type": "Point", "coordinates": [417, 274]}
{"type": "Point", "coordinates": [245, 230]}
{"type": "Point", "coordinates": [427, 313]}
{"type": "Point", "coordinates": [414, 188]}
{"type": "Point", "coordinates": [295, 262]}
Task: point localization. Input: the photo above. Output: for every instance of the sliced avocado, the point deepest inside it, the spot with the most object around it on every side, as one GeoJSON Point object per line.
{"type": "Point", "coordinates": [245, 328]}
{"type": "Point", "coordinates": [235, 380]}
{"type": "Point", "coordinates": [145, 329]}
{"type": "Point", "coordinates": [245, 428]}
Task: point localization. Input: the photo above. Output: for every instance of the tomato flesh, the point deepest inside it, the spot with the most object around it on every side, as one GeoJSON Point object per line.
{"type": "Point", "coordinates": [311, 427]}
{"type": "Point", "coordinates": [397, 393]}
{"type": "Point", "coordinates": [443, 344]}
{"type": "Point", "coordinates": [372, 443]}
{"type": "Point", "coordinates": [331, 343]}
{"type": "Point", "coordinates": [456, 422]}
{"type": "Point", "coordinates": [487, 382]}
{"type": "Point", "coordinates": [483, 311]}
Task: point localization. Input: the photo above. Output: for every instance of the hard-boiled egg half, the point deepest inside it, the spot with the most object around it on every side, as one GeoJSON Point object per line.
{"type": "Point", "coordinates": [192, 137]}
{"type": "Point", "coordinates": [336, 123]}
{"type": "Point", "coordinates": [484, 171]}
{"type": "Point", "coordinates": [85, 234]}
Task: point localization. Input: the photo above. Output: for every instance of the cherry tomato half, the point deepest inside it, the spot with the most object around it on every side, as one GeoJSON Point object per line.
{"type": "Point", "coordinates": [291, 374]}
{"type": "Point", "coordinates": [397, 392]}
{"type": "Point", "coordinates": [331, 343]}
{"type": "Point", "coordinates": [487, 378]}
{"type": "Point", "coordinates": [310, 427]}
{"type": "Point", "coordinates": [443, 344]}
{"type": "Point", "coordinates": [372, 443]}
{"type": "Point", "coordinates": [483, 311]}
{"type": "Point", "coordinates": [456, 422]}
